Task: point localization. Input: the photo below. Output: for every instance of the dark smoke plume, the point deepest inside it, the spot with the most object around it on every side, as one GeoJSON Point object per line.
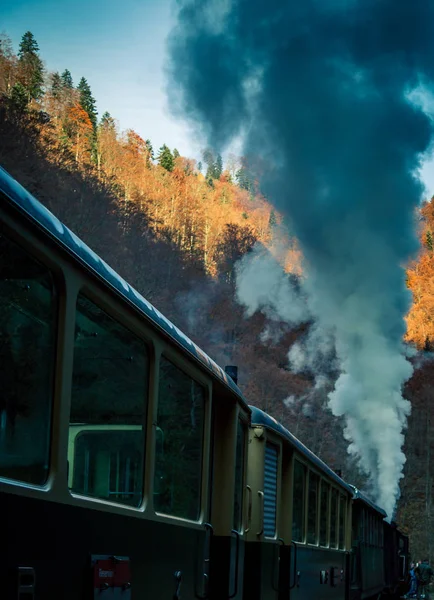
{"type": "Point", "coordinates": [321, 91]}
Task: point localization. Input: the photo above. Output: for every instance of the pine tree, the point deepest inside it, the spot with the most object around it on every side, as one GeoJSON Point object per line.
{"type": "Point", "coordinates": [429, 241]}
{"type": "Point", "coordinates": [199, 166]}
{"type": "Point", "coordinates": [56, 85]}
{"type": "Point", "coordinates": [165, 158]}
{"type": "Point", "coordinates": [19, 97]}
{"type": "Point", "coordinates": [31, 68]}
{"type": "Point", "coordinates": [87, 101]}
{"type": "Point", "coordinates": [218, 167]}
{"type": "Point", "coordinates": [175, 153]}
{"type": "Point", "coordinates": [208, 159]}
{"type": "Point", "coordinates": [272, 221]}
{"type": "Point", "coordinates": [150, 149]}
{"type": "Point", "coordinates": [66, 78]}
{"type": "Point", "coordinates": [244, 179]}
{"type": "Point", "coordinates": [107, 121]}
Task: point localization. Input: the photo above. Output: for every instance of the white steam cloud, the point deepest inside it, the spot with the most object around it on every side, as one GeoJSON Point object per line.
{"type": "Point", "coordinates": [341, 339]}
{"type": "Point", "coordinates": [322, 93]}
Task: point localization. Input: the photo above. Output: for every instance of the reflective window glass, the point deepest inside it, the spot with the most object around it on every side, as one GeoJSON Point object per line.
{"type": "Point", "coordinates": [178, 463]}
{"type": "Point", "coordinates": [298, 498]}
{"type": "Point", "coordinates": [342, 521]}
{"type": "Point", "coordinates": [108, 407]}
{"type": "Point", "coordinates": [239, 476]}
{"type": "Point", "coordinates": [312, 509]}
{"type": "Point", "coordinates": [27, 361]}
{"type": "Point", "coordinates": [324, 513]}
{"type": "Point", "coordinates": [334, 518]}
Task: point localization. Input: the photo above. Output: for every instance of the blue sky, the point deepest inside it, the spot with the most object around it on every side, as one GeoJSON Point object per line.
{"type": "Point", "coordinates": [119, 46]}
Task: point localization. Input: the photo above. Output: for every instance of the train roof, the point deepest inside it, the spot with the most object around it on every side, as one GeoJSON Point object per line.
{"type": "Point", "coordinates": [39, 214]}
{"type": "Point", "coordinates": [358, 495]}
{"type": "Point", "coordinates": [259, 417]}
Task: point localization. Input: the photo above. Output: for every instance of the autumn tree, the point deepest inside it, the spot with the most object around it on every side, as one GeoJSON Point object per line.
{"type": "Point", "coordinates": [31, 71]}
{"type": "Point", "coordinates": [107, 146]}
{"type": "Point", "coordinates": [235, 242]}
{"type": "Point", "coordinates": [429, 240]}
{"type": "Point", "coordinates": [8, 65]}
{"type": "Point", "coordinates": [79, 129]}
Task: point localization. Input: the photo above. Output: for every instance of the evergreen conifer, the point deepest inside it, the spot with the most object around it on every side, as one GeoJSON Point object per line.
{"type": "Point", "coordinates": [165, 158]}
{"type": "Point", "coordinates": [31, 68]}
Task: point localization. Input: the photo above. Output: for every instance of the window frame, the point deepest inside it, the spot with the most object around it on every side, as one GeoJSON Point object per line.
{"type": "Point", "coordinates": [180, 361]}
{"type": "Point", "coordinates": [110, 304]}
{"type": "Point", "coordinates": [27, 237]}
{"type": "Point", "coordinates": [317, 508]}
{"type": "Point", "coordinates": [241, 419]}
{"type": "Point", "coordinates": [298, 459]}
{"type": "Point", "coordinates": [325, 482]}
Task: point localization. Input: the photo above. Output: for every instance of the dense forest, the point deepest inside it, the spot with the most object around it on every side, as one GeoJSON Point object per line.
{"type": "Point", "coordinates": [176, 229]}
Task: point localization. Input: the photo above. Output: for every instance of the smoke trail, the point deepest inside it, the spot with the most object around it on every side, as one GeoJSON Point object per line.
{"type": "Point", "coordinates": [321, 91]}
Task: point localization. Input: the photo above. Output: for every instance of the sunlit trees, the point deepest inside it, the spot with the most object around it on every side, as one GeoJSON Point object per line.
{"type": "Point", "coordinates": [79, 129]}
{"type": "Point", "coordinates": [8, 65]}
{"type": "Point", "coordinates": [87, 101]}
{"type": "Point", "coordinates": [31, 71]}
{"type": "Point", "coordinates": [165, 158]}
{"type": "Point", "coordinates": [66, 78]}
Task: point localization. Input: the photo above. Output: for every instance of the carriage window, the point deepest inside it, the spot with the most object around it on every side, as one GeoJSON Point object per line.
{"type": "Point", "coordinates": [342, 522]}
{"type": "Point", "coordinates": [270, 489]}
{"type": "Point", "coordinates": [312, 509]}
{"type": "Point", "coordinates": [108, 407]}
{"type": "Point", "coordinates": [334, 519]}
{"type": "Point", "coordinates": [324, 513]}
{"type": "Point", "coordinates": [298, 502]}
{"type": "Point", "coordinates": [27, 358]}
{"type": "Point", "coordinates": [239, 476]}
{"type": "Point", "coordinates": [181, 416]}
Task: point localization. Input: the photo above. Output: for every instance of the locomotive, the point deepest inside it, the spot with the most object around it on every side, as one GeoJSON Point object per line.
{"type": "Point", "coordinates": [131, 464]}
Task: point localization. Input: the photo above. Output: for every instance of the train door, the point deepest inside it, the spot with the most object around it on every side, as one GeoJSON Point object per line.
{"type": "Point", "coordinates": [230, 422]}
{"type": "Point", "coordinates": [263, 539]}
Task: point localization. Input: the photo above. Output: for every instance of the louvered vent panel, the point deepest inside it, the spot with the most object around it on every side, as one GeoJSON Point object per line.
{"type": "Point", "coordinates": [270, 490]}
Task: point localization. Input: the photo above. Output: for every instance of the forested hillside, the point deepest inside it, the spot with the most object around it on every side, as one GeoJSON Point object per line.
{"type": "Point", "coordinates": [175, 229]}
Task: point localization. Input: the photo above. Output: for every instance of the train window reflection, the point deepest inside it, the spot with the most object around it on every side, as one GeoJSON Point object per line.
{"type": "Point", "coordinates": [27, 358]}
{"type": "Point", "coordinates": [342, 521]}
{"type": "Point", "coordinates": [109, 391]}
{"type": "Point", "coordinates": [239, 476]}
{"type": "Point", "coordinates": [298, 497]}
{"type": "Point", "coordinates": [181, 417]}
{"type": "Point", "coordinates": [312, 509]}
{"type": "Point", "coordinates": [334, 519]}
{"type": "Point", "coordinates": [324, 513]}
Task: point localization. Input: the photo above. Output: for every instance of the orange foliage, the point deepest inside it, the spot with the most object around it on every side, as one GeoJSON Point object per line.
{"type": "Point", "coordinates": [79, 128]}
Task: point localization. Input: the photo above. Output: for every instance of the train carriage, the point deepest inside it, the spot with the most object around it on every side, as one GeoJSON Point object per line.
{"type": "Point", "coordinates": [367, 564]}
{"type": "Point", "coordinates": [117, 433]}
{"type": "Point", "coordinates": [298, 538]}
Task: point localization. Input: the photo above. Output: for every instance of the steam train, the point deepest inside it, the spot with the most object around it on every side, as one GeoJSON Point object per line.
{"type": "Point", "coordinates": [132, 466]}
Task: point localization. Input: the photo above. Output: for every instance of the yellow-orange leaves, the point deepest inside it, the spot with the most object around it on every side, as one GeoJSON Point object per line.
{"type": "Point", "coordinates": [79, 129]}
